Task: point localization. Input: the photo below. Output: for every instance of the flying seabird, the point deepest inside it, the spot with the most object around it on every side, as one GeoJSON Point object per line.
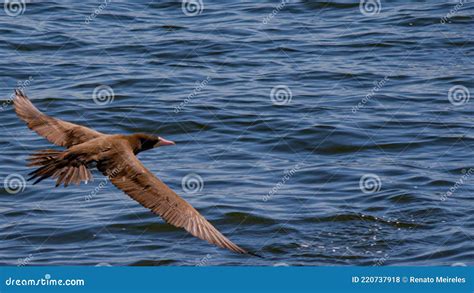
{"type": "Point", "coordinates": [115, 157]}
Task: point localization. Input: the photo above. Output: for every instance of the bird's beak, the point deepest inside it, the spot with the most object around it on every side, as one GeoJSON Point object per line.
{"type": "Point", "coordinates": [164, 142]}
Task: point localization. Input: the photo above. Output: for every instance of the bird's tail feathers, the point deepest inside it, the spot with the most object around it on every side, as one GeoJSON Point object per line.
{"type": "Point", "coordinates": [43, 157]}
{"type": "Point", "coordinates": [52, 164]}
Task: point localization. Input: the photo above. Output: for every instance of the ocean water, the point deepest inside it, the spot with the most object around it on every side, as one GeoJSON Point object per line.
{"type": "Point", "coordinates": [311, 132]}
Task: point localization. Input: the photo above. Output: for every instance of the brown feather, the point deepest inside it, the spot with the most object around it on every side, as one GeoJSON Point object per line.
{"type": "Point", "coordinates": [115, 157]}
{"type": "Point", "coordinates": [133, 178]}
{"type": "Point", "coordinates": [59, 132]}
{"type": "Point", "coordinates": [56, 164]}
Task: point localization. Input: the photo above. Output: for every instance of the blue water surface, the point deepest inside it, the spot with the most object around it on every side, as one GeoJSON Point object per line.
{"type": "Point", "coordinates": [311, 132]}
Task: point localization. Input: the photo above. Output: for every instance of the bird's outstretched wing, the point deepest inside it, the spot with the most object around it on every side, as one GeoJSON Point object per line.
{"type": "Point", "coordinates": [127, 173]}
{"type": "Point", "coordinates": [59, 132]}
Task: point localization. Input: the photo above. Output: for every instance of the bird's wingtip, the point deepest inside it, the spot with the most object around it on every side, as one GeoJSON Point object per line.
{"type": "Point", "coordinates": [19, 93]}
{"type": "Point", "coordinates": [254, 254]}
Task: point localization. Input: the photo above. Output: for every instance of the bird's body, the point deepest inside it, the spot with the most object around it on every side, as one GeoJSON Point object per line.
{"type": "Point", "coordinates": [115, 157]}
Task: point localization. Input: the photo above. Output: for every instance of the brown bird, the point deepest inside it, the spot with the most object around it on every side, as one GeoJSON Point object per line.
{"type": "Point", "coordinates": [115, 157]}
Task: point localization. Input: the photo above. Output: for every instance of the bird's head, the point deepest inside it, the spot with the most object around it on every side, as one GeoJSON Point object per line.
{"type": "Point", "coordinates": [143, 142]}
